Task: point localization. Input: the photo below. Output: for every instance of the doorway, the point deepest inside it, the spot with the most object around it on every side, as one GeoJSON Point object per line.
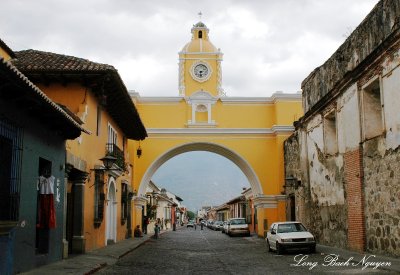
{"type": "Point", "coordinates": [111, 213]}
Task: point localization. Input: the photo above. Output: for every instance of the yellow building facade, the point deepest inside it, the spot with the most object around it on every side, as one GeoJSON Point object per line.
{"type": "Point", "coordinates": [249, 131]}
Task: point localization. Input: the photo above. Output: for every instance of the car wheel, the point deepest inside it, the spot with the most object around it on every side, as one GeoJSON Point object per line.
{"type": "Point", "coordinates": [312, 249]}
{"type": "Point", "coordinates": [269, 247]}
{"type": "Point", "coordinates": [279, 249]}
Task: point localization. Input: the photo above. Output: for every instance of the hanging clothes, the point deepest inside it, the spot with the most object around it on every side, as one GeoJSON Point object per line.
{"type": "Point", "coordinates": [47, 213]}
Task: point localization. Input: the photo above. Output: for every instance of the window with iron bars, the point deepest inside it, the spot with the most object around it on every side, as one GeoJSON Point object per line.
{"type": "Point", "coordinates": [99, 197]}
{"type": "Point", "coordinates": [124, 203]}
{"type": "Point", "coordinates": [10, 170]}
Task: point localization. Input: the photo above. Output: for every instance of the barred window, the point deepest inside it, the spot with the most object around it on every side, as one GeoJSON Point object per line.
{"type": "Point", "coordinates": [99, 197]}
{"type": "Point", "coordinates": [124, 202]}
{"type": "Point", "coordinates": [10, 170]}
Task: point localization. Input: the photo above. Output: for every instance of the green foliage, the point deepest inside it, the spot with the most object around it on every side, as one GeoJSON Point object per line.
{"type": "Point", "coordinates": [191, 215]}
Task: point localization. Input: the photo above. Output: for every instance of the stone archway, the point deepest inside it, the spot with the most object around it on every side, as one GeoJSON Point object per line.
{"type": "Point", "coordinates": [242, 164]}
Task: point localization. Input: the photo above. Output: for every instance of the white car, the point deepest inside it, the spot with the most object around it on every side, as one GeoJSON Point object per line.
{"type": "Point", "coordinates": [289, 236]}
{"type": "Point", "coordinates": [237, 226]}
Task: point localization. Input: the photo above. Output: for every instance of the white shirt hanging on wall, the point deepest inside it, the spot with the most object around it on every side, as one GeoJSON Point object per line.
{"type": "Point", "coordinates": [46, 185]}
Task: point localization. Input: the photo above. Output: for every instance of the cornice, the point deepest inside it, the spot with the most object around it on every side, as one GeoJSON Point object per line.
{"type": "Point", "coordinates": [160, 99]}
{"type": "Point", "coordinates": [139, 201]}
{"type": "Point", "coordinates": [268, 201]}
{"type": "Point", "coordinates": [276, 129]}
{"type": "Point", "coordinates": [229, 100]}
{"type": "Point", "coordinates": [262, 100]}
{"type": "Point", "coordinates": [200, 53]}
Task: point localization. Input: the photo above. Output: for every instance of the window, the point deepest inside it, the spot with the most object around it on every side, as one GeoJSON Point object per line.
{"type": "Point", "coordinates": [124, 202]}
{"type": "Point", "coordinates": [98, 125]}
{"type": "Point", "coordinates": [99, 197]}
{"type": "Point", "coordinates": [10, 169]}
{"type": "Point", "coordinates": [372, 110]}
{"type": "Point", "coordinates": [112, 135]}
{"type": "Point", "coordinates": [200, 34]}
{"type": "Point", "coordinates": [330, 133]}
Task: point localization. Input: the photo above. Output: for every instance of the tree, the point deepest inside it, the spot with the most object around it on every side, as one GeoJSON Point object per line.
{"type": "Point", "coordinates": [191, 215]}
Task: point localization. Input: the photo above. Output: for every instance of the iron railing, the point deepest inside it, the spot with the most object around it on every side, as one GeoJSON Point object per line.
{"type": "Point", "coordinates": [113, 150]}
{"type": "Point", "coordinates": [10, 158]}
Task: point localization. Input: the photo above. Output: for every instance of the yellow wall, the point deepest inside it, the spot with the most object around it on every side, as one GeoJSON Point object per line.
{"type": "Point", "coordinates": [252, 129]}
{"type": "Point", "coordinates": [4, 54]}
{"type": "Point", "coordinates": [91, 148]}
{"type": "Point", "coordinates": [264, 152]}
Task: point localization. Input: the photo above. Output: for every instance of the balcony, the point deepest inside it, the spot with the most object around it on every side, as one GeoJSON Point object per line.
{"type": "Point", "coordinates": [113, 150]}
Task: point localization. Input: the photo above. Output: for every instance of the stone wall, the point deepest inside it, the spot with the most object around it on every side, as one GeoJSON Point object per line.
{"type": "Point", "coordinates": [366, 38]}
{"type": "Point", "coordinates": [320, 203]}
{"type": "Point", "coordinates": [382, 197]}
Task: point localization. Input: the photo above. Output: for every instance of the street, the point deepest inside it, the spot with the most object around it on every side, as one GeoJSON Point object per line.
{"type": "Point", "coordinates": [190, 251]}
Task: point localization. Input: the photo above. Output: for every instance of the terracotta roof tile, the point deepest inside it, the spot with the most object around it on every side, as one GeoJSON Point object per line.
{"type": "Point", "coordinates": [34, 60]}
{"type": "Point", "coordinates": [108, 84]}
{"type": "Point", "coordinates": [13, 74]}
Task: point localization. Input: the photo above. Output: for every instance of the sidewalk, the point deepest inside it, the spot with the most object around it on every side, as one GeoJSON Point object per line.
{"type": "Point", "coordinates": [92, 261]}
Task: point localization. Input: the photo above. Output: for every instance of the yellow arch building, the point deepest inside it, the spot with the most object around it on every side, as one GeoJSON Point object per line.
{"type": "Point", "coordinates": [247, 130]}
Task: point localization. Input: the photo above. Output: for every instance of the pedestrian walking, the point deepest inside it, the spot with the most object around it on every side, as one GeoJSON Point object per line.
{"type": "Point", "coordinates": [146, 222]}
{"type": "Point", "coordinates": [194, 224]}
{"type": "Point", "coordinates": [156, 231]}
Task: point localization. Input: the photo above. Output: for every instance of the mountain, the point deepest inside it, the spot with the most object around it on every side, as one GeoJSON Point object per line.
{"type": "Point", "coordinates": [201, 179]}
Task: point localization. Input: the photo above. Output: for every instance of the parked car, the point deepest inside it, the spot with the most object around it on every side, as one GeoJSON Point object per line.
{"type": "Point", "coordinates": [289, 236]}
{"type": "Point", "coordinates": [237, 226]}
{"type": "Point", "coordinates": [217, 225]}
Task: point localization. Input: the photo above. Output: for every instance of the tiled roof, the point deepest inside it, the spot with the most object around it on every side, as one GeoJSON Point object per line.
{"type": "Point", "coordinates": [68, 124]}
{"type": "Point", "coordinates": [103, 79]}
{"type": "Point", "coordinates": [32, 60]}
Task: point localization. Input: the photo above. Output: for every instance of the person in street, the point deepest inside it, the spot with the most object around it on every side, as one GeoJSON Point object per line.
{"type": "Point", "coordinates": [156, 231]}
{"type": "Point", "coordinates": [137, 232]}
{"type": "Point", "coordinates": [194, 224]}
{"type": "Point", "coordinates": [201, 225]}
{"type": "Point", "coordinates": [145, 224]}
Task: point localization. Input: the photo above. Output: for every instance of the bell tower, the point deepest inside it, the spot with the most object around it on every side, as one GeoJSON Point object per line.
{"type": "Point", "coordinates": [200, 65]}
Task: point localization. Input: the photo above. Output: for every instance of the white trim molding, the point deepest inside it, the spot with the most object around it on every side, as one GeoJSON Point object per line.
{"type": "Point", "coordinates": [276, 129]}
{"type": "Point", "coordinates": [268, 201]}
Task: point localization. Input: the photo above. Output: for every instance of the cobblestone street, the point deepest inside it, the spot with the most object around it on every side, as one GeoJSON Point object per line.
{"type": "Point", "coordinates": [189, 251]}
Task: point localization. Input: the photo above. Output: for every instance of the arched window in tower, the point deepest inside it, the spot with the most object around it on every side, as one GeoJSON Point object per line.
{"type": "Point", "coordinates": [200, 34]}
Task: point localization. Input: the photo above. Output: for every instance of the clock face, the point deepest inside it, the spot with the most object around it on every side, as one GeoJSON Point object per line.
{"type": "Point", "coordinates": [201, 71]}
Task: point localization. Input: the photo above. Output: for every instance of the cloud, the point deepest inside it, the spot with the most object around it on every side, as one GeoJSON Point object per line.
{"type": "Point", "coordinates": [267, 45]}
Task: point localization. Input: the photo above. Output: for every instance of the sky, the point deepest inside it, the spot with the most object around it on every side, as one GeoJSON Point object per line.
{"type": "Point", "coordinates": [268, 45]}
{"type": "Point", "coordinates": [201, 179]}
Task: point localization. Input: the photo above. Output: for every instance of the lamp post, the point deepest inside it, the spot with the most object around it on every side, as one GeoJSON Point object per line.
{"type": "Point", "coordinates": [108, 161]}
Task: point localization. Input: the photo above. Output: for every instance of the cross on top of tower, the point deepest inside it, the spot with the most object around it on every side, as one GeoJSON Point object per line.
{"type": "Point", "coordinates": [200, 14]}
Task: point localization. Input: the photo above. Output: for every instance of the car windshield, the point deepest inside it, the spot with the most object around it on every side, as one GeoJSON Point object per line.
{"type": "Point", "coordinates": [291, 227]}
{"type": "Point", "coordinates": [239, 221]}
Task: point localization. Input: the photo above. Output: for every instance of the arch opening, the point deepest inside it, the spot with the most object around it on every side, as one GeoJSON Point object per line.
{"type": "Point", "coordinates": [240, 162]}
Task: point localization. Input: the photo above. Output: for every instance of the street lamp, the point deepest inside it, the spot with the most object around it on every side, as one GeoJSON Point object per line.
{"type": "Point", "coordinates": [108, 161]}
{"type": "Point", "coordinates": [139, 151]}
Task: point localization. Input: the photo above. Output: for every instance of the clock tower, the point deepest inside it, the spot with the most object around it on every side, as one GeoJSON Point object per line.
{"type": "Point", "coordinates": [200, 65]}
